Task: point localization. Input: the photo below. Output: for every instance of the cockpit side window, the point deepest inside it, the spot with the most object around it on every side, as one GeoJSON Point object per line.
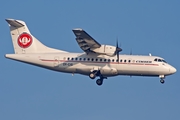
{"type": "Point", "coordinates": [155, 59]}
{"type": "Point", "coordinates": [164, 61]}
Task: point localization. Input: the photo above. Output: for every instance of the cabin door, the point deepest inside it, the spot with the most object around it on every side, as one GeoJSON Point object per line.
{"type": "Point", "coordinates": [56, 61]}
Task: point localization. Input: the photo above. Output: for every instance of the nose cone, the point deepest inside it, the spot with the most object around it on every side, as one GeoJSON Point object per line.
{"type": "Point", "coordinates": [173, 70]}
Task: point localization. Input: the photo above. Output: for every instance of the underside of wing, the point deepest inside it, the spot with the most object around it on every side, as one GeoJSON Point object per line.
{"type": "Point", "coordinates": [85, 41]}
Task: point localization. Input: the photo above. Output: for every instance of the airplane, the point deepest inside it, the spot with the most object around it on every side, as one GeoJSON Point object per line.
{"type": "Point", "coordinates": [97, 60]}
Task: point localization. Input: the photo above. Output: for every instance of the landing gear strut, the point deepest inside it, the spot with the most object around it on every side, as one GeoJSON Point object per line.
{"type": "Point", "coordinates": [162, 77]}
{"type": "Point", "coordinates": [93, 75]}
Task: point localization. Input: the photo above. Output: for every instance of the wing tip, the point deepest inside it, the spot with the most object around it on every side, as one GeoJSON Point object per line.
{"type": "Point", "coordinates": [80, 29]}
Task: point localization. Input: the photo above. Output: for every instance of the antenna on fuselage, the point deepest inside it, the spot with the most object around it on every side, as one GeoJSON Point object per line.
{"type": "Point", "coordinates": [150, 54]}
{"type": "Point", "coordinates": [131, 52]}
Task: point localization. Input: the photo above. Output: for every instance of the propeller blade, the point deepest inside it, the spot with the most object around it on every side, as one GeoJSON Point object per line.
{"type": "Point", "coordinates": [117, 50]}
{"type": "Point", "coordinates": [117, 43]}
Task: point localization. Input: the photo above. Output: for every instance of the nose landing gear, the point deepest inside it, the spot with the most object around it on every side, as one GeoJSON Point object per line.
{"type": "Point", "coordinates": [162, 77]}
{"type": "Point", "coordinates": [162, 81]}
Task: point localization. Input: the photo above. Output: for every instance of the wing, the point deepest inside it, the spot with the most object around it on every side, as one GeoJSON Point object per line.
{"type": "Point", "coordinates": [85, 41]}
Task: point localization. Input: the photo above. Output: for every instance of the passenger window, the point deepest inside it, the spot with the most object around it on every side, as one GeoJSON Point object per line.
{"type": "Point", "coordinates": [72, 58]}
{"type": "Point", "coordinates": [112, 60]}
{"type": "Point", "coordinates": [84, 59]}
{"type": "Point", "coordinates": [76, 58]}
{"type": "Point", "coordinates": [68, 58]}
{"type": "Point", "coordinates": [96, 59]}
{"type": "Point", "coordinates": [121, 60]}
{"type": "Point", "coordinates": [88, 59]}
{"type": "Point", "coordinates": [104, 60]}
{"type": "Point", "coordinates": [117, 60]}
{"type": "Point", "coordinates": [109, 60]}
{"type": "Point", "coordinates": [92, 59]}
{"type": "Point", "coordinates": [100, 59]}
{"type": "Point", "coordinates": [129, 61]}
{"type": "Point", "coordinates": [80, 59]}
{"type": "Point", "coordinates": [124, 60]}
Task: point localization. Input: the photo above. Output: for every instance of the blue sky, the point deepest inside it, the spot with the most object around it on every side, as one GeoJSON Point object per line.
{"type": "Point", "coordinates": [28, 92]}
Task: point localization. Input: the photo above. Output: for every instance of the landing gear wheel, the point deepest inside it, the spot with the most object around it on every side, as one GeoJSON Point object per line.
{"type": "Point", "coordinates": [162, 81]}
{"type": "Point", "coordinates": [92, 75]}
{"type": "Point", "coordinates": [99, 82]}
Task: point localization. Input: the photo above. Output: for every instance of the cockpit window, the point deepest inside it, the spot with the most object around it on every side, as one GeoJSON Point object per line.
{"type": "Point", "coordinates": [155, 59]}
{"type": "Point", "coordinates": [159, 60]}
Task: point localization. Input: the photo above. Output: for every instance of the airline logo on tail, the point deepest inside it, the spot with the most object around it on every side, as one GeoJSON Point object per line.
{"type": "Point", "coordinates": [24, 40]}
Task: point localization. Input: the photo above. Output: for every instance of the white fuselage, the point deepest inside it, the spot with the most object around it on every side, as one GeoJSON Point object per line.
{"type": "Point", "coordinates": [98, 60]}
{"type": "Point", "coordinates": [82, 63]}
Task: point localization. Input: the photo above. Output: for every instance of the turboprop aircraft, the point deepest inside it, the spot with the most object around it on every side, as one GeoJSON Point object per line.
{"type": "Point", "coordinates": [97, 60]}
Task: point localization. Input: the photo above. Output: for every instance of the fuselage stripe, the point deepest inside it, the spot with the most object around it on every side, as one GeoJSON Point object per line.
{"type": "Point", "coordinates": [97, 62]}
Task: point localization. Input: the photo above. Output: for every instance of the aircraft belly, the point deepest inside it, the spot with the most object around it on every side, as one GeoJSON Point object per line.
{"type": "Point", "coordinates": [108, 71]}
{"type": "Point", "coordinates": [105, 70]}
{"type": "Point", "coordinates": [85, 69]}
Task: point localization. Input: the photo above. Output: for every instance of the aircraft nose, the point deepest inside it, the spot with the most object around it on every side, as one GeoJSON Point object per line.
{"type": "Point", "coordinates": [173, 70]}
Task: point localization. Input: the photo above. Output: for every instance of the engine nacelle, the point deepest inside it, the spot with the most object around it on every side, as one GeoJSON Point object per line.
{"type": "Point", "coordinates": [106, 50]}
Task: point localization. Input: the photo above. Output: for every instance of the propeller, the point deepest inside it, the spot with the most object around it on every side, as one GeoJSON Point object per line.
{"type": "Point", "coordinates": [118, 49]}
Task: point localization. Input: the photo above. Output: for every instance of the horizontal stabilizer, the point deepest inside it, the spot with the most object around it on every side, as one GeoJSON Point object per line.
{"type": "Point", "coordinates": [15, 23]}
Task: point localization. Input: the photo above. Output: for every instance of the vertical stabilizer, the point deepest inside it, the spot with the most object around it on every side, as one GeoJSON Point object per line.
{"type": "Point", "coordinates": [23, 41]}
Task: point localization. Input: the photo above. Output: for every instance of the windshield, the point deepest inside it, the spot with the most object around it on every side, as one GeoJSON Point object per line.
{"type": "Point", "coordinates": [160, 60]}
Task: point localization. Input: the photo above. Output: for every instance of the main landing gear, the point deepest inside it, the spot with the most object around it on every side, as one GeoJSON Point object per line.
{"type": "Point", "coordinates": [162, 77]}
{"type": "Point", "coordinates": [93, 75]}
{"type": "Point", "coordinates": [99, 82]}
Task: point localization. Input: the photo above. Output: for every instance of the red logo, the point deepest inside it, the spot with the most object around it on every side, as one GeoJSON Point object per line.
{"type": "Point", "coordinates": [24, 40]}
